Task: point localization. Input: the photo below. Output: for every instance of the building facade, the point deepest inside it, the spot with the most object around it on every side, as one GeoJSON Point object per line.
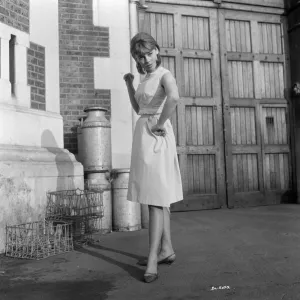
{"type": "Point", "coordinates": [235, 123]}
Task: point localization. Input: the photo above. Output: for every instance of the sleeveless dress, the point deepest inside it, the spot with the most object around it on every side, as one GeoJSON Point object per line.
{"type": "Point", "coordinates": [154, 172]}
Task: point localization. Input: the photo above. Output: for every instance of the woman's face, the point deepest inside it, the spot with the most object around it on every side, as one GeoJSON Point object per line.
{"type": "Point", "coordinates": [148, 60]}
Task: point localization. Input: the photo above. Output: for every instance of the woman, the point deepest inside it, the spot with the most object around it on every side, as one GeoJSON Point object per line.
{"type": "Point", "coordinates": [154, 174]}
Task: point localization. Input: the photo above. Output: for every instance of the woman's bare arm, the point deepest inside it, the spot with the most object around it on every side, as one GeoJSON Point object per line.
{"type": "Point", "coordinates": [131, 91]}
{"type": "Point", "coordinates": [171, 89]}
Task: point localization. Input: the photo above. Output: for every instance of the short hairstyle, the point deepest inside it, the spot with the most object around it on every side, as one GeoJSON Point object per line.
{"type": "Point", "coordinates": [142, 43]}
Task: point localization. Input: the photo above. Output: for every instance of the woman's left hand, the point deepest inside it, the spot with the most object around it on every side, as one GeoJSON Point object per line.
{"type": "Point", "coordinates": [158, 130]}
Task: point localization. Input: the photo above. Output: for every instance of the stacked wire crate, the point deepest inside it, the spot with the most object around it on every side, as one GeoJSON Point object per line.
{"type": "Point", "coordinates": [83, 209]}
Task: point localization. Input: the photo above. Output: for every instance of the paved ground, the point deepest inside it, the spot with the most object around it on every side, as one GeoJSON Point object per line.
{"type": "Point", "coordinates": [242, 254]}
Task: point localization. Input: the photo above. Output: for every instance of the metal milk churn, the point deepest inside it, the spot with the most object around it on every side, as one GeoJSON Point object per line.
{"type": "Point", "coordinates": [81, 119]}
{"type": "Point", "coordinates": [96, 140]}
{"type": "Point", "coordinates": [126, 214]}
{"type": "Point", "coordinates": [101, 181]}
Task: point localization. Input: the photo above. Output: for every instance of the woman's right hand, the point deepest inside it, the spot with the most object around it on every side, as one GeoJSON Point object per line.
{"type": "Point", "coordinates": [128, 78]}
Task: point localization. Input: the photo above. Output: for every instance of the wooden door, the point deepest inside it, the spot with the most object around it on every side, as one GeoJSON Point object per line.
{"type": "Point", "coordinates": [257, 147]}
{"type": "Point", "coordinates": [188, 37]}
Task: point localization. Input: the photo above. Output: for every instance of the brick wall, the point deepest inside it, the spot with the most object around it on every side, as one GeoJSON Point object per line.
{"type": "Point", "coordinates": [36, 75]}
{"type": "Point", "coordinates": [80, 41]}
{"type": "Point", "coordinates": [15, 13]}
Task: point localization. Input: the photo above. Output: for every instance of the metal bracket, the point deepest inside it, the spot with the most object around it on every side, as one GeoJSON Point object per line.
{"type": "Point", "coordinates": [218, 1]}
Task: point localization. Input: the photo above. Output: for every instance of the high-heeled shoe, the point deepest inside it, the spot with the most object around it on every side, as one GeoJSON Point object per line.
{"type": "Point", "coordinates": [150, 277]}
{"type": "Point", "coordinates": [168, 260]}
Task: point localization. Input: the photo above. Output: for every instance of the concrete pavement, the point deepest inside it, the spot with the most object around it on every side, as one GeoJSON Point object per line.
{"type": "Point", "coordinates": [249, 253]}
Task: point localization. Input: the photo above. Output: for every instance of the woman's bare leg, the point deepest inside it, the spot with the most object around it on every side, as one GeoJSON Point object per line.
{"type": "Point", "coordinates": [156, 221]}
{"type": "Point", "coordinates": [166, 243]}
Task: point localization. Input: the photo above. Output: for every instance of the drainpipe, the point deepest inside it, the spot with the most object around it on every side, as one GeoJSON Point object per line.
{"type": "Point", "coordinates": [134, 5]}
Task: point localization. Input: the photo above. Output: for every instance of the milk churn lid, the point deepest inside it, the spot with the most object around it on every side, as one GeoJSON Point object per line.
{"type": "Point", "coordinates": [90, 108]}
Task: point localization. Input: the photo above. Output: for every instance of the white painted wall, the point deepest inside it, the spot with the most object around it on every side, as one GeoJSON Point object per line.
{"type": "Point", "coordinates": [109, 74]}
{"type": "Point", "coordinates": [19, 124]}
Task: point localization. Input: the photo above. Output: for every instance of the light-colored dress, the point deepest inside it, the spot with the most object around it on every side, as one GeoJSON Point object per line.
{"type": "Point", "coordinates": [154, 173]}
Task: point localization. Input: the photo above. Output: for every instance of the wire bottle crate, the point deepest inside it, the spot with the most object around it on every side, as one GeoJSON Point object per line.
{"type": "Point", "coordinates": [38, 240]}
{"type": "Point", "coordinates": [83, 208]}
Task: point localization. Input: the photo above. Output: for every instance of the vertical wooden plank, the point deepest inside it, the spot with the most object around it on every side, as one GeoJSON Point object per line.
{"type": "Point", "coordinates": [272, 80]}
{"type": "Point", "coordinates": [248, 125]}
{"type": "Point", "coordinates": [238, 36]}
{"type": "Point", "coordinates": [265, 38]}
{"type": "Point", "coordinates": [240, 172]}
{"type": "Point", "coordinates": [206, 34]}
{"type": "Point", "coordinates": [245, 173]}
{"type": "Point", "coordinates": [201, 33]}
{"type": "Point", "coordinates": [274, 39]}
{"type": "Point", "coordinates": [196, 33]}
{"type": "Point", "coordinates": [243, 36]}
{"type": "Point", "coordinates": [263, 82]}
{"type": "Point", "coordinates": [196, 173]}
{"type": "Point", "coordinates": [204, 125]}
{"type": "Point", "coordinates": [228, 36]}
{"type": "Point", "coordinates": [257, 69]}
{"type": "Point", "coordinates": [210, 126]}
{"type": "Point", "coordinates": [190, 174]}
{"type": "Point", "coordinates": [248, 37]}
{"type": "Point", "coordinates": [240, 80]}
{"type": "Point", "coordinates": [233, 134]}
{"type": "Point", "coordinates": [170, 31]}
{"type": "Point", "coordinates": [242, 125]}
{"type": "Point", "coordinates": [234, 171]}
{"type": "Point", "coordinates": [250, 172]}
{"type": "Point", "coordinates": [202, 79]}
{"type": "Point", "coordinates": [188, 124]}
{"type": "Point", "coordinates": [184, 32]}
{"type": "Point", "coordinates": [208, 78]}
{"type": "Point", "coordinates": [199, 125]}
{"type": "Point", "coordinates": [153, 25]}
{"type": "Point", "coordinates": [202, 176]}
{"type": "Point", "coordinates": [165, 30]}
{"type": "Point", "coordinates": [252, 126]}
{"type": "Point", "coordinates": [238, 126]}
{"type": "Point", "coordinates": [267, 171]}
{"type": "Point", "coordinates": [190, 33]}
{"type": "Point", "coordinates": [186, 77]}
{"type": "Point", "coordinates": [194, 125]}
{"type": "Point", "coordinates": [245, 79]}
{"type": "Point", "coordinates": [213, 173]}
{"type": "Point", "coordinates": [280, 133]}
{"type": "Point", "coordinates": [197, 78]}
{"type": "Point", "coordinates": [206, 174]}
{"type": "Point", "coordinates": [276, 79]}
{"type": "Point", "coordinates": [192, 77]}
{"type": "Point", "coordinates": [232, 35]}
{"type": "Point", "coordinates": [279, 39]}
{"type": "Point", "coordinates": [269, 38]}
{"type": "Point", "coordinates": [230, 75]}
{"type": "Point", "coordinates": [283, 126]}
{"type": "Point", "coordinates": [267, 80]}
{"type": "Point", "coordinates": [275, 125]}
{"type": "Point", "coordinates": [159, 29]}
{"type": "Point", "coordinates": [281, 80]}
{"type": "Point", "coordinates": [235, 79]}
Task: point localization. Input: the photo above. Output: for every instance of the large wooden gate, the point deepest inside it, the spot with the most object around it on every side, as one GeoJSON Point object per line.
{"type": "Point", "coordinates": [231, 122]}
